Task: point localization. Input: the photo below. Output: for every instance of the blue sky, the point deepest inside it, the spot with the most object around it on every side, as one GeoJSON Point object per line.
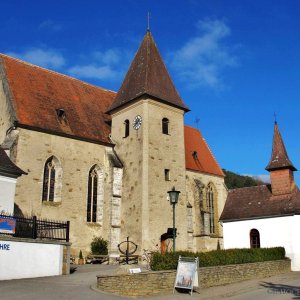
{"type": "Point", "coordinates": [235, 63]}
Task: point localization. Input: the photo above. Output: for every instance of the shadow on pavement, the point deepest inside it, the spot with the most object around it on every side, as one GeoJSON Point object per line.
{"type": "Point", "coordinates": [281, 289]}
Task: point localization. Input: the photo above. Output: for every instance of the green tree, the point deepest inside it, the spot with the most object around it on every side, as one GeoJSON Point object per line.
{"type": "Point", "coordinates": [233, 180]}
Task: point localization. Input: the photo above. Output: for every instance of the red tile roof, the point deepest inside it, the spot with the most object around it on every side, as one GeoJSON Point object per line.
{"type": "Point", "coordinates": [148, 75]}
{"type": "Point", "coordinates": [198, 156]}
{"type": "Point", "coordinates": [37, 93]}
{"type": "Point", "coordinates": [258, 202]}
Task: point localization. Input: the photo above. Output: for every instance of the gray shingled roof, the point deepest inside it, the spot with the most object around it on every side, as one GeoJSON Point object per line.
{"type": "Point", "coordinates": [7, 167]}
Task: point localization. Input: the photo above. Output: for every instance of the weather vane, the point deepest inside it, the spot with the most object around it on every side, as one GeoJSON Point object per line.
{"type": "Point", "coordinates": [197, 122]}
{"type": "Point", "coordinates": [148, 19]}
{"type": "Point", "coordinates": [275, 118]}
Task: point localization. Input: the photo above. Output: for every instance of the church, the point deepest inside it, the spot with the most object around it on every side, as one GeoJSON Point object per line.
{"type": "Point", "coordinates": [266, 215]}
{"type": "Point", "coordinates": [106, 160]}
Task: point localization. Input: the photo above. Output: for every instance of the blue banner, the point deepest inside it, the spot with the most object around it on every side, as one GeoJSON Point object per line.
{"type": "Point", "coordinates": [7, 225]}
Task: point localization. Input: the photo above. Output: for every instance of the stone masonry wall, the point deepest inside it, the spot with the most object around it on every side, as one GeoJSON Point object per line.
{"type": "Point", "coordinates": [202, 241]}
{"type": "Point", "coordinates": [146, 153]}
{"type": "Point", "coordinates": [76, 158]}
{"type": "Point", "coordinates": [162, 282]}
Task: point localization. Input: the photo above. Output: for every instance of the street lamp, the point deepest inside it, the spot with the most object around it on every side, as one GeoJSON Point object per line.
{"type": "Point", "coordinates": [173, 196]}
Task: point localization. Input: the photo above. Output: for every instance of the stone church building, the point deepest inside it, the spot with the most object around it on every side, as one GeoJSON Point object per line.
{"type": "Point", "coordinates": [105, 160]}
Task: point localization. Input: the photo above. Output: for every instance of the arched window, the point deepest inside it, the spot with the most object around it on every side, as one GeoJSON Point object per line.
{"type": "Point", "coordinates": [211, 207]}
{"type": "Point", "coordinates": [254, 238]}
{"type": "Point", "coordinates": [95, 195]}
{"type": "Point", "coordinates": [51, 180]}
{"type": "Point", "coordinates": [165, 126]}
{"type": "Point", "coordinates": [126, 128]}
{"type": "Point", "coordinates": [92, 196]}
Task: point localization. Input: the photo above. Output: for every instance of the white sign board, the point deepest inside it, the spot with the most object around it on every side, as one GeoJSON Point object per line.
{"type": "Point", "coordinates": [187, 273]}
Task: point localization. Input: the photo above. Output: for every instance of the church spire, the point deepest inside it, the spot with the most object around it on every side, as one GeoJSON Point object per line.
{"type": "Point", "coordinates": [279, 158]}
{"type": "Point", "coordinates": [148, 76]}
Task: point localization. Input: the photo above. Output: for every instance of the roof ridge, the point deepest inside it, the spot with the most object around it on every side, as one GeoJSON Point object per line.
{"type": "Point", "coordinates": [249, 187]}
{"type": "Point", "coordinates": [213, 156]}
{"type": "Point", "coordinates": [55, 72]}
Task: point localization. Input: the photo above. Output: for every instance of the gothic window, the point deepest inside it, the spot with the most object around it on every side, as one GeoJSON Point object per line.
{"type": "Point", "coordinates": [254, 238]}
{"type": "Point", "coordinates": [165, 126]}
{"type": "Point", "coordinates": [51, 180]}
{"type": "Point", "coordinates": [126, 128]}
{"type": "Point", "coordinates": [210, 201]}
{"type": "Point", "coordinates": [92, 196]}
{"type": "Point", "coordinates": [95, 196]}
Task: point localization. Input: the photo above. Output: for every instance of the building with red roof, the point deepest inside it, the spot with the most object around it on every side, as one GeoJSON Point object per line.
{"type": "Point", "coordinates": [266, 215]}
{"type": "Point", "coordinates": [106, 160]}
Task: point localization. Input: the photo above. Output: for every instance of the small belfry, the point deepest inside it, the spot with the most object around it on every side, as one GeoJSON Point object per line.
{"type": "Point", "coordinates": [280, 167]}
{"type": "Point", "coordinates": [266, 215]}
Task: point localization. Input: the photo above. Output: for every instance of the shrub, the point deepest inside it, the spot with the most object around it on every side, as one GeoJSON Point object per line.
{"type": "Point", "coordinates": [169, 260]}
{"type": "Point", "coordinates": [80, 255]}
{"type": "Point", "coordinates": [99, 246]}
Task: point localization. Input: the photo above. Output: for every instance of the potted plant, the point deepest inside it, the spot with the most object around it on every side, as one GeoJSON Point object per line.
{"type": "Point", "coordinates": [80, 260]}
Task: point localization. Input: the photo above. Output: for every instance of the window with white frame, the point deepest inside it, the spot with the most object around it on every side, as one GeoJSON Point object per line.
{"type": "Point", "coordinates": [52, 180]}
{"type": "Point", "coordinates": [94, 212]}
{"type": "Point", "coordinates": [210, 202]}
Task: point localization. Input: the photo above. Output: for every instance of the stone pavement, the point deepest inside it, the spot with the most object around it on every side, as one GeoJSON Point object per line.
{"type": "Point", "coordinates": [81, 285]}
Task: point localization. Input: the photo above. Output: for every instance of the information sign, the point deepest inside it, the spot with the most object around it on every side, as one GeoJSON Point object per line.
{"type": "Point", "coordinates": [7, 225]}
{"type": "Point", "coordinates": [187, 273]}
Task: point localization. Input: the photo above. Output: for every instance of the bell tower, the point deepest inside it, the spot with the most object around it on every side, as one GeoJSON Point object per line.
{"type": "Point", "coordinates": [280, 167]}
{"type": "Point", "coordinates": [148, 132]}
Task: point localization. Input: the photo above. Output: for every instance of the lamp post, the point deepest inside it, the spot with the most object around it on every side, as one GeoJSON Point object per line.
{"type": "Point", "coordinates": [173, 196]}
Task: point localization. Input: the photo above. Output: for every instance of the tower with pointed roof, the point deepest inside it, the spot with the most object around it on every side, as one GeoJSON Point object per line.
{"type": "Point", "coordinates": [130, 149]}
{"type": "Point", "coordinates": [148, 130]}
{"type": "Point", "coordinates": [280, 167]}
{"type": "Point", "coordinates": [266, 215]}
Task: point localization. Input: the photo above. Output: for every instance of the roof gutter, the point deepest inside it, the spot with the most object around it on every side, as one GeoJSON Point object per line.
{"type": "Point", "coordinates": [256, 218]}
{"type": "Point", "coordinates": [48, 131]}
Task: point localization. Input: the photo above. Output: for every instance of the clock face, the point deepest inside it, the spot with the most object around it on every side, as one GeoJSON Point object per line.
{"type": "Point", "coordinates": [137, 122]}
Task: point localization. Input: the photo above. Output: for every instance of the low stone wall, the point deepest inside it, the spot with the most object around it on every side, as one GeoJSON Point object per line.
{"type": "Point", "coordinates": [162, 282]}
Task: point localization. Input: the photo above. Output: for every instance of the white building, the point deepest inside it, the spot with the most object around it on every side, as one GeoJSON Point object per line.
{"type": "Point", "coordinates": [266, 215]}
{"type": "Point", "coordinates": [9, 173]}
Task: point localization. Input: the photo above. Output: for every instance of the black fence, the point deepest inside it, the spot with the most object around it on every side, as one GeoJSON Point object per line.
{"type": "Point", "coordinates": [32, 227]}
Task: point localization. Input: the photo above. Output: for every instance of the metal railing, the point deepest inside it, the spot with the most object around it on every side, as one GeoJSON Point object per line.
{"type": "Point", "coordinates": [35, 228]}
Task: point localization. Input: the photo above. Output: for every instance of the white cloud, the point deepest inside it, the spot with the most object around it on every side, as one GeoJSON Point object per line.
{"type": "Point", "coordinates": [50, 25]}
{"type": "Point", "coordinates": [264, 177]}
{"type": "Point", "coordinates": [106, 65]}
{"type": "Point", "coordinates": [203, 58]}
{"type": "Point", "coordinates": [111, 56]}
{"type": "Point", "coordinates": [44, 58]}
{"type": "Point", "coordinates": [93, 71]}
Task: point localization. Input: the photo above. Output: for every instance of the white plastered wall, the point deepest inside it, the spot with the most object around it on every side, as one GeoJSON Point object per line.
{"type": "Point", "coordinates": [28, 260]}
{"type": "Point", "coordinates": [274, 232]}
{"type": "Point", "coordinates": [7, 194]}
